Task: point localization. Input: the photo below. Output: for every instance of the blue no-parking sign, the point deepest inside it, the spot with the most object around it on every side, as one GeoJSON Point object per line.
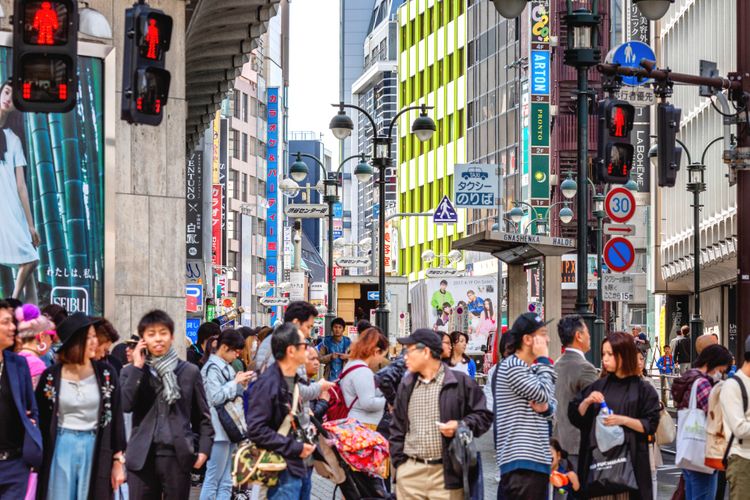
{"type": "Point", "coordinates": [619, 254]}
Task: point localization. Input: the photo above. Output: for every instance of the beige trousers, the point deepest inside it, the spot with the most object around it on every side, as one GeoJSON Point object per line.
{"type": "Point", "coordinates": [418, 481]}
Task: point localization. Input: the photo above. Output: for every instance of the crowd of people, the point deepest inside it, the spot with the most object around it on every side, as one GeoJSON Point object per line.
{"type": "Point", "coordinates": [251, 412]}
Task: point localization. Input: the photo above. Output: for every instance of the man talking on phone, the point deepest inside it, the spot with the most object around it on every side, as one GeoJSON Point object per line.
{"type": "Point", "coordinates": [172, 431]}
{"type": "Point", "coordinates": [432, 401]}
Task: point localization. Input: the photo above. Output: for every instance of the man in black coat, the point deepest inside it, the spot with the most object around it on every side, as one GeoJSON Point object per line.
{"type": "Point", "coordinates": [172, 431]}
{"type": "Point", "coordinates": [440, 398]}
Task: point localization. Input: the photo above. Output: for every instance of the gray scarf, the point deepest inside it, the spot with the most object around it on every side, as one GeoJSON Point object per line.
{"type": "Point", "coordinates": [165, 366]}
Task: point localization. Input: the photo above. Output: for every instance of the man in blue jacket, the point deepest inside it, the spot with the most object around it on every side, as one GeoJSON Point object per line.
{"type": "Point", "coordinates": [273, 402]}
{"type": "Point", "coordinates": [20, 439]}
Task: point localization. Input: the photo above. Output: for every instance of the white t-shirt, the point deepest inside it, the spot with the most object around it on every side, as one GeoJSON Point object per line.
{"type": "Point", "coordinates": [79, 404]}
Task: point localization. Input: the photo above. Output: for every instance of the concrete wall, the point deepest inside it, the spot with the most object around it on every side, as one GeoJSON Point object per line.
{"type": "Point", "coordinates": [146, 231]}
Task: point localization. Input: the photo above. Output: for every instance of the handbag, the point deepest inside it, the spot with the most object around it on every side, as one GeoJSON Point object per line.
{"type": "Point", "coordinates": [691, 436]}
{"type": "Point", "coordinates": [611, 472]}
{"type": "Point", "coordinates": [666, 431]}
{"type": "Point", "coordinates": [232, 418]}
{"type": "Point", "coordinates": [253, 464]}
{"type": "Point", "coordinates": [463, 454]}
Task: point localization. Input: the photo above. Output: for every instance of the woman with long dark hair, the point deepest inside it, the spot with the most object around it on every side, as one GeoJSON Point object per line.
{"type": "Point", "coordinates": [81, 419]}
{"type": "Point", "coordinates": [459, 361]}
{"type": "Point", "coordinates": [487, 318]}
{"type": "Point", "coordinates": [634, 405]}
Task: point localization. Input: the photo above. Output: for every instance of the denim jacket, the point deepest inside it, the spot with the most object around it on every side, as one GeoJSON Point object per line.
{"type": "Point", "coordinates": [218, 379]}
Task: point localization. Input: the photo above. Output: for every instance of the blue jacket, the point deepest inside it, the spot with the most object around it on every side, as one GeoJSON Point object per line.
{"type": "Point", "coordinates": [270, 402]}
{"type": "Point", "coordinates": [23, 396]}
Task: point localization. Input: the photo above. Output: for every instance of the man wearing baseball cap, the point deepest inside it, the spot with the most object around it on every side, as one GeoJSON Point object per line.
{"type": "Point", "coordinates": [524, 402]}
{"type": "Point", "coordinates": [431, 402]}
{"type": "Point", "coordinates": [734, 404]}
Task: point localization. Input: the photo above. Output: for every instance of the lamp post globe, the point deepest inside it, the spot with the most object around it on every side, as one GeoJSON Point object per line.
{"type": "Point", "coordinates": [631, 186]}
{"type": "Point", "coordinates": [509, 8]}
{"type": "Point", "coordinates": [516, 214]}
{"type": "Point", "coordinates": [455, 256]}
{"type": "Point", "coordinates": [566, 215]}
{"type": "Point", "coordinates": [289, 187]}
{"type": "Point", "coordinates": [341, 125]}
{"type": "Point", "coordinates": [423, 127]}
{"type": "Point", "coordinates": [653, 10]}
{"type": "Point", "coordinates": [428, 256]}
{"type": "Point", "coordinates": [363, 171]}
{"type": "Point", "coordinates": [569, 188]}
{"type": "Point", "coordinates": [298, 170]}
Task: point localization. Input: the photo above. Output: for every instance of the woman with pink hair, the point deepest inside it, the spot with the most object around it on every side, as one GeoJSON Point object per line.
{"type": "Point", "coordinates": [34, 331]}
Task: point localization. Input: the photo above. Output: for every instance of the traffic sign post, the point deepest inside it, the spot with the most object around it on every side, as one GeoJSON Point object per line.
{"type": "Point", "coordinates": [619, 254]}
{"type": "Point", "coordinates": [629, 55]}
{"type": "Point", "coordinates": [620, 205]}
{"type": "Point", "coordinates": [445, 213]}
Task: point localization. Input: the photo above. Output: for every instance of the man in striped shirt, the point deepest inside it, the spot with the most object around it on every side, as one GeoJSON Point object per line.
{"type": "Point", "coordinates": [524, 403]}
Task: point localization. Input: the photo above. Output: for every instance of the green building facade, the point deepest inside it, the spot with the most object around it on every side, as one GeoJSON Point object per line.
{"type": "Point", "coordinates": [431, 70]}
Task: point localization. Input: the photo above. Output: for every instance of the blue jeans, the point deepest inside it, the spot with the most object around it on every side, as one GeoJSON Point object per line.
{"type": "Point", "coordinates": [70, 472]}
{"type": "Point", "coordinates": [217, 484]}
{"type": "Point", "coordinates": [699, 486]}
{"type": "Point", "coordinates": [291, 487]}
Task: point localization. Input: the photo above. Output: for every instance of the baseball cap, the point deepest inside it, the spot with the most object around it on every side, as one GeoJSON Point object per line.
{"type": "Point", "coordinates": [526, 324]}
{"type": "Point", "coordinates": [424, 336]}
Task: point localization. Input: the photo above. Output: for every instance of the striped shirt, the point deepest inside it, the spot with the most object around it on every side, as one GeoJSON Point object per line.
{"type": "Point", "coordinates": [522, 440]}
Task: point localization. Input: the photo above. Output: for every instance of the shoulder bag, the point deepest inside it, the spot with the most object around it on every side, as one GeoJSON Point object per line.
{"type": "Point", "coordinates": [253, 464]}
{"type": "Point", "coordinates": [232, 416]}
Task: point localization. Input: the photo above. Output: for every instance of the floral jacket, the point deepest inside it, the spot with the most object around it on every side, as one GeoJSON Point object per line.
{"type": "Point", "coordinates": [110, 436]}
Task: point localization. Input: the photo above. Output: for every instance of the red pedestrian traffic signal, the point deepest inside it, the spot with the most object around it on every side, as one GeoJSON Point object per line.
{"type": "Point", "coordinates": [615, 152]}
{"type": "Point", "coordinates": [145, 82]}
{"type": "Point", "coordinates": [45, 55]}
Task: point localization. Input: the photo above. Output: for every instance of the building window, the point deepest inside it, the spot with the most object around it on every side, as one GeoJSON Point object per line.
{"type": "Point", "coordinates": [244, 146]}
{"type": "Point", "coordinates": [244, 107]}
{"type": "Point", "coordinates": [236, 144]}
{"type": "Point", "coordinates": [236, 105]}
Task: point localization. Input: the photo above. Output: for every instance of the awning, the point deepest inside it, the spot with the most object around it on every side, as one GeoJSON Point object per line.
{"type": "Point", "coordinates": [513, 248]}
{"type": "Point", "coordinates": [220, 36]}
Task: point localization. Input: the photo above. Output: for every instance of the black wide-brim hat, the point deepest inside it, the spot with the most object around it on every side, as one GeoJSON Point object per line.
{"type": "Point", "coordinates": [72, 325]}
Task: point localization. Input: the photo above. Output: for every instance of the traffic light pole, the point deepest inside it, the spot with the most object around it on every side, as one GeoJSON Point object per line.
{"type": "Point", "coordinates": [582, 247]}
{"type": "Point", "coordinates": [743, 187]}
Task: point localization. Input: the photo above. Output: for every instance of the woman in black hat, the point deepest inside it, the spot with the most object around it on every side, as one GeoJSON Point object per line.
{"type": "Point", "coordinates": [81, 419]}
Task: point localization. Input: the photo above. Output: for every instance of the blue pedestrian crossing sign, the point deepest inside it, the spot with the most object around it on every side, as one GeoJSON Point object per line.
{"type": "Point", "coordinates": [630, 54]}
{"type": "Point", "coordinates": [445, 213]}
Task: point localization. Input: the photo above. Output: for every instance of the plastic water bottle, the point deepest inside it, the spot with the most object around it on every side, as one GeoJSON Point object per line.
{"type": "Point", "coordinates": [607, 437]}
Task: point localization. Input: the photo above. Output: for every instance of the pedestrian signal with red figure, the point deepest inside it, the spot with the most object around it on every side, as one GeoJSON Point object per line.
{"type": "Point", "coordinates": [615, 151]}
{"type": "Point", "coordinates": [145, 81]}
{"type": "Point", "coordinates": [45, 55]}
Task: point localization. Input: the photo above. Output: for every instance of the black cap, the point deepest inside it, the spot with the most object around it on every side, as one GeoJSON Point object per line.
{"type": "Point", "coordinates": [74, 324]}
{"type": "Point", "coordinates": [424, 336]}
{"type": "Point", "coordinates": [747, 345]}
{"type": "Point", "coordinates": [526, 324]}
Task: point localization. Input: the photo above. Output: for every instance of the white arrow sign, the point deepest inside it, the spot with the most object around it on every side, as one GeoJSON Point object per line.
{"type": "Point", "coordinates": [619, 229]}
{"type": "Point", "coordinates": [353, 261]}
{"type": "Point", "coordinates": [274, 301]}
{"type": "Point", "coordinates": [306, 211]}
{"type": "Point", "coordinates": [441, 272]}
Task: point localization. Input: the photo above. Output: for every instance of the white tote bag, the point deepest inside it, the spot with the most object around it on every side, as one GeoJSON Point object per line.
{"type": "Point", "coordinates": [691, 436]}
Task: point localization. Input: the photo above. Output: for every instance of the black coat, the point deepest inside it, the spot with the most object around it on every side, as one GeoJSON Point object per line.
{"type": "Point", "coordinates": [189, 417]}
{"type": "Point", "coordinates": [460, 399]}
{"type": "Point", "coordinates": [270, 403]}
{"type": "Point", "coordinates": [631, 397]}
{"type": "Point", "coordinates": [110, 436]}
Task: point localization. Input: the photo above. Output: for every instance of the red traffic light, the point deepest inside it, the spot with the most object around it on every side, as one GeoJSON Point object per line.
{"type": "Point", "coordinates": [620, 120]}
{"type": "Point", "coordinates": [45, 78]}
{"type": "Point", "coordinates": [154, 35]}
{"type": "Point", "coordinates": [619, 160]}
{"type": "Point", "coordinates": [45, 22]}
{"type": "Point", "coordinates": [151, 90]}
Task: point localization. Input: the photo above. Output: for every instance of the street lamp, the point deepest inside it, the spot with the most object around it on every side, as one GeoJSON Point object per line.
{"type": "Point", "coordinates": [328, 187]}
{"type": "Point", "coordinates": [569, 187]}
{"type": "Point", "coordinates": [341, 126]}
{"type": "Point", "coordinates": [653, 10]}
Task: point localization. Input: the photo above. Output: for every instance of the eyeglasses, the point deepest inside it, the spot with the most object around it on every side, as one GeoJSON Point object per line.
{"type": "Point", "coordinates": [410, 350]}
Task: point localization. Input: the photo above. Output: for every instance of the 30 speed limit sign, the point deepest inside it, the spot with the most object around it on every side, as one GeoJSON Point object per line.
{"type": "Point", "coordinates": [620, 205]}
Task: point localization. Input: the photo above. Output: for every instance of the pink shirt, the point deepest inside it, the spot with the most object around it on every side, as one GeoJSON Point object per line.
{"type": "Point", "coordinates": [36, 365]}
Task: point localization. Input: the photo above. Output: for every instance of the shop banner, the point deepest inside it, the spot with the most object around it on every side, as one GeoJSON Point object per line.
{"type": "Point", "coordinates": [52, 197]}
{"type": "Point", "coordinates": [194, 205]}
{"type": "Point", "coordinates": [217, 234]}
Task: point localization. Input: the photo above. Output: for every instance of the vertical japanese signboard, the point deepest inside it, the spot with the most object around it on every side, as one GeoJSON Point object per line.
{"type": "Point", "coordinates": [223, 160]}
{"type": "Point", "coordinates": [194, 205]}
{"type": "Point", "coordinates": [272, 191]}
{"type": "Point", "coordinates": [217, 235]}
{"type": "Point", "coordinates": [539, 66]}
{"type": "Point", "coordinates": [639, 30]}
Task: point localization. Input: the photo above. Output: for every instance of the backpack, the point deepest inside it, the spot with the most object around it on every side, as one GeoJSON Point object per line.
{"type": "Point", "coordinates": [682, 351]}
{"type": "Point", "coordinates": [337, 407]}
{"type": "Point", "coordinates": [743, 391]}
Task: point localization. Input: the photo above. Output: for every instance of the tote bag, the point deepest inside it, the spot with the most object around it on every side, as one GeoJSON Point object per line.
{"type": "Point", "coordinates": [611, 472]}
{"type": "Point", "coordinates": [691, 436]}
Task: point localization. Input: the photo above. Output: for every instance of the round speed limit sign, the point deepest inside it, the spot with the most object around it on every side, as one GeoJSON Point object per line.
{"type": "Point", "coordinates": [620, 205]}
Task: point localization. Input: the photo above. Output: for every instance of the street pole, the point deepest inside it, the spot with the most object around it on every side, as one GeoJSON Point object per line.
{"type": "Point", "coordinates": [330, 311]}
{"type": "Point", "coordinates": [381, 313]}
{"type": "Point", "coordinates": [582, 301]}
{"type": "Point", "coordinates": [743, 186]}
{"type": "Point", "coordinates": [599, 324]}
{"type": "Point", "coordinates": [696, 322]}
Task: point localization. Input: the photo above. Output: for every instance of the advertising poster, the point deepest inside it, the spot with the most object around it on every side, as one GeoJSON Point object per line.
{"type": "Point", "coordinates": [52, 197]}
{"type": "Point", "coordinates": [467, 304]}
